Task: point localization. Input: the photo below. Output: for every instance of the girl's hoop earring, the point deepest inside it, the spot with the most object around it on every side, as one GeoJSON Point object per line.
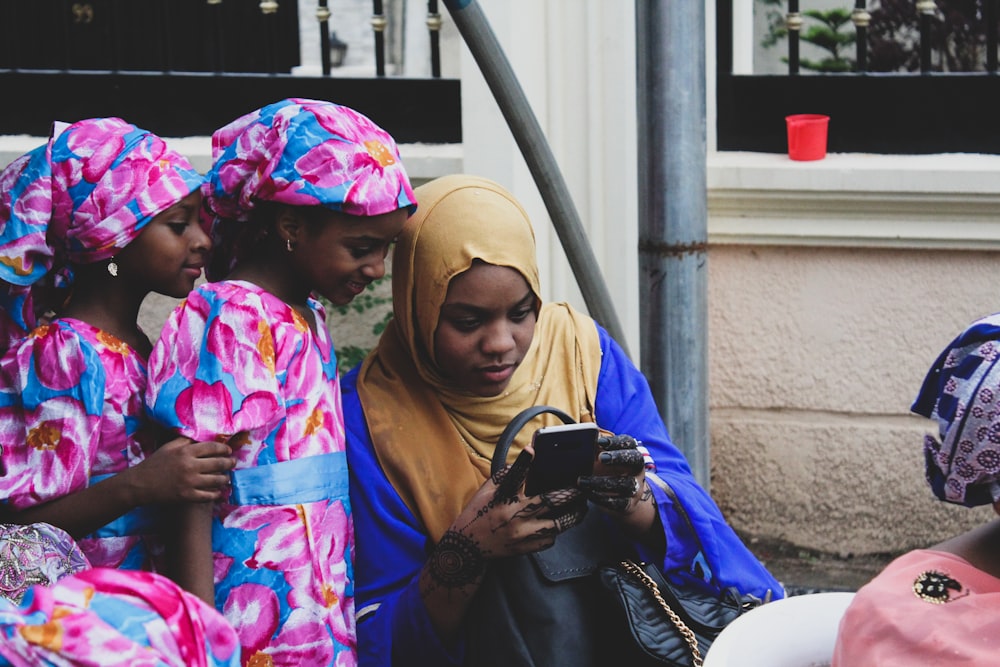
{"type": "Point", "coordinates": [288, 244]}
{"type": "Point", "coordinates": [113, 268]}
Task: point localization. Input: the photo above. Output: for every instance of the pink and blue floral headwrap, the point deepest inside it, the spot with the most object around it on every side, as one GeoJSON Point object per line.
{"type": "Point", "coordinates": [78, 199]}
{"type": "Point", "coordinates": [303, 152]}
{"type": "Point", "coordinates": [961, 392]}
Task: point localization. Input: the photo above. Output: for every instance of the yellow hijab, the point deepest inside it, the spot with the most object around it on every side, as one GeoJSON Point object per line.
{"type": "Point", "coordinates": [433, 440]}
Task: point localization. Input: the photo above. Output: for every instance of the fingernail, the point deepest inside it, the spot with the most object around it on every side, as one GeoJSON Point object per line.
{"type": "Point", "coordinates": [605, 457]}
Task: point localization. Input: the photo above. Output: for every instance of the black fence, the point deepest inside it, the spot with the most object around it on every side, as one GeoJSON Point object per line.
{"type": "Point", "coordinates": [922, 79]}
{"type": "Point", "coordinates": [185, 67]}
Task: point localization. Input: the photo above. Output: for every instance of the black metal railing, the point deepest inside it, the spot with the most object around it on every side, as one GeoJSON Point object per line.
{"type": "Point", "coordinates": [183, 67]}
{"type": "Point", "coordinates": [924, 82]}
{"type": "Point", "coordinates": [932, 24]}
{"type": "Point", "coordinates": [177, 35]}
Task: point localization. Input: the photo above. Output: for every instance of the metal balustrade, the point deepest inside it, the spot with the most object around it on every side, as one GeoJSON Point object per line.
{"type": "Point", "coordinates": [937, 98]}
{"type": "Point", "coordinates": [928, 21]}
{"type": "Point", "coordinates": [184, 67]}
{"type": "Point", "coordinates": [178, 35]}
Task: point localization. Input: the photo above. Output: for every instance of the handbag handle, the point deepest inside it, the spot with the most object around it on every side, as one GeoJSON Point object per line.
{"type": "Point", "coordinates": [515, 426]}
{"type": "Point", "coordinates": [686, 633]}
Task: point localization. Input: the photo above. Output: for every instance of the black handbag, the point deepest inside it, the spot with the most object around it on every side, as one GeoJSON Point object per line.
{"type": "Point", "coordinates": [668, 624]}
{"type": "Point", "coordinates": [548, 608]}
{"type": "Point", "coordinates": [581, 602]}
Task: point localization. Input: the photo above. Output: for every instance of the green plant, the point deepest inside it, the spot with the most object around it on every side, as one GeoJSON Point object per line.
{"type": "Point", "coordinates": [830, 37]}
{"type": "Point", "coordinates": [366, 316]}
{"type": "Point", "coordinates": [957, 35]}
{"type": "Point", "coordinates": [826, 32]}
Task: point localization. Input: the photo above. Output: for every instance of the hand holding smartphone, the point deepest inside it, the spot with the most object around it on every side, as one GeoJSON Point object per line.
{"type": "Point", "coordinates": [562, 454]}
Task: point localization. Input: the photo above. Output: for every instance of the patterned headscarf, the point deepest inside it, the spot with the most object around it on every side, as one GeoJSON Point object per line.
{"type": "Point", "coordinates": [302, 153]}
{"type": "Point", "coordinates": [78, 199]}
{"type": "Point", "coordinates": [962, 393]}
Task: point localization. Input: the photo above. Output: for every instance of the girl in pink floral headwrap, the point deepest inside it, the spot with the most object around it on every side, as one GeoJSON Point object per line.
{"type": "Point", "coordinates": [90, 223]}
{"type": "Point", "coordinates": [306, 197]}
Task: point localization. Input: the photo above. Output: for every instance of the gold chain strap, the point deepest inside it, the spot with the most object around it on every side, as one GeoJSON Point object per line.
{"type": "Point", "coordinates": [685, 631]}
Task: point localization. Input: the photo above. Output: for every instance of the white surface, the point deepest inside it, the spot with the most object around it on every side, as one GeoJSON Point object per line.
{"type": "Point", "coordinates": [798, 631]}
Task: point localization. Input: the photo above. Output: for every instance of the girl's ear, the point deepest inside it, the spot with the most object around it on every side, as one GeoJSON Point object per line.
{"type": "Point", "coordinates": [289, 223]}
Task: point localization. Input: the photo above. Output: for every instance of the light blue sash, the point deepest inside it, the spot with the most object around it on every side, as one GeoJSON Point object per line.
{"type": "Point", "coordinates": [305, 480]}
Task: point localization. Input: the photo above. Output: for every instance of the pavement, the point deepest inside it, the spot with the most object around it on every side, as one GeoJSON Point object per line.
{"type": "Point", "coordinates": [804, 571]}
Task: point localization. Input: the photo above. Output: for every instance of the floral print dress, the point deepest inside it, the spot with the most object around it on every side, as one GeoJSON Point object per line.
{"type": "Point", "coordinates": [71, 414]}
{"type": "Point", "coordinates": [236, 363]}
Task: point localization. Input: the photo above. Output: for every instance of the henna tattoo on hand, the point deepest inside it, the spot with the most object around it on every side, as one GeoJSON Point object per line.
{"type": "Point", "coordinates": [616, 493]}
{"type": "Point", "coordinates": [647, 493]}
{"type": "Point", "coordinates": [549, 504]}
{"type": "Point", "coordinates": [457, 561]}
{"type": "Point", "coordinates": [568, 516]}
{"type": "Point", "coordinates": [620, 486]}
{"type": "Point", "coordinates": [566, 521]}
{"type": "Point", "coordinates": [628, 458]}
{"type": "Point", "coordinates": [510, 479]}
{"type": "Point", "coordinates": [617, 442]}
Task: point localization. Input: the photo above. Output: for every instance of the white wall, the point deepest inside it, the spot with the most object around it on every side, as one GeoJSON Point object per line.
{"type": "Point", "coordinates": [575, 60]}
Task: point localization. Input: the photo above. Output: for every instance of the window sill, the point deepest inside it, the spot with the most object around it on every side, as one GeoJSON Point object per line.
{"type": "Point", "coordinates": [855, 199]}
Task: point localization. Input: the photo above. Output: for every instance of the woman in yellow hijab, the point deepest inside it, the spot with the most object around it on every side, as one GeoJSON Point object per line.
{"type": "Point", "coordinates": [439, 541]}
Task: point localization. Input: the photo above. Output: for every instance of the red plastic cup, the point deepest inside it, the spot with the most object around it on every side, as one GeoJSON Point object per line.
{"type": "Point", "coordinates": [807, 136]}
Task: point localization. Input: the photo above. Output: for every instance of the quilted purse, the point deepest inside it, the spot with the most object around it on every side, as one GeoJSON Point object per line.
{"type": "Point", "coordinates": [578, 603]}
{"type": "Point", "coordinates": [669, 625]}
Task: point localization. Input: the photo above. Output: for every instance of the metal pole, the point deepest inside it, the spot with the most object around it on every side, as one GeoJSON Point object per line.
{"type": "Point", "coordinates": [673, 219]}
{"type": "Point", "coordinates": [499, 75]}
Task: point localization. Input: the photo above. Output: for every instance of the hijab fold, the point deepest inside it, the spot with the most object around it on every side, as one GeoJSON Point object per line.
{"type": "Point", "coordinates": [435, 441]}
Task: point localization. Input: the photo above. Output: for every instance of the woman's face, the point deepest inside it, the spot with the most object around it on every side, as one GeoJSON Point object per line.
{"type": "Point", "coordinates": [486, 325]}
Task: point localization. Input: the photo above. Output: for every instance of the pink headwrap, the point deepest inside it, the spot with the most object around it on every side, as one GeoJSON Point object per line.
{"type": "Point", "coordinates": [298, 152]}
{"type": "Point", "coordinates": [78, 199]}
{"type": "Point", "coordinates": [306, 153]}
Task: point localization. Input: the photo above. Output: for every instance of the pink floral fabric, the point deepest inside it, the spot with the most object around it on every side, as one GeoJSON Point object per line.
{"type": "Point", "coordinates": [306, 153]}
{"type": "Point", "coordinates": [78, 199]}
{"type": "Point", "coordinates": [114, 618]}
{"type": "Point", "coordinates": [234, 360]}
{"type": "Point", "coordinates": [299, 152]}
{"type": "Point", "coordinates": [71, 412]}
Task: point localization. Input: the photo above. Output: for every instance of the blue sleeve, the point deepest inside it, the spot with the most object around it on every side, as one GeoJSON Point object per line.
{"type": "Point", "coordinates": [390, 549]}
{"type": "Point", "coordinates": [711, 552]}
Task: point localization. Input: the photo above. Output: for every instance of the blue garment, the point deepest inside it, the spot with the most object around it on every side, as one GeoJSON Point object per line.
{"type": "Point", "coordinates": [391, 547]}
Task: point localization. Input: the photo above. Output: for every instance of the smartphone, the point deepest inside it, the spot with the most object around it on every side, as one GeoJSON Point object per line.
{"type": "Point", "coordinates": [562, 453]}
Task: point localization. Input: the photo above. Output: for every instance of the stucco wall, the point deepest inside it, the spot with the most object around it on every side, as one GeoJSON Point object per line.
{"type": "Point", "coordinates": [815, 356]}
